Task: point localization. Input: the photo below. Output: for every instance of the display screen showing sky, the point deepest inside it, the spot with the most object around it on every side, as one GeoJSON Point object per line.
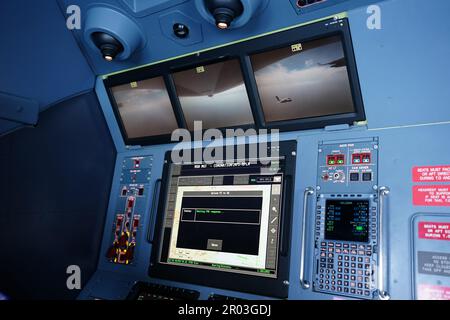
{"type": "Point", "coordinates": [214, 94]}
{"type": "Point", "coordinates": [308, 83]}
{"type": "Point", "coordinates": [145, 108]}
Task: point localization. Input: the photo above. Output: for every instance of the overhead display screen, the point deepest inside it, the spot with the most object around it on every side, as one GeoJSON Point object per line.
{"type": "Point", "coordinates": [305, 80]}
{"type": "Point", "coordinates": [214, 94]}
{"type": "Point", "coordinates": [347, 220]}
{"type": "Point", "coordinates": [223, 217]}
{"type": "Point", "coordinates": [145, 108]}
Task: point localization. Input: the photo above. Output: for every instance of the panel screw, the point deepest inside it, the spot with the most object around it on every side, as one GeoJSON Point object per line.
{"type": "Point", "coordinates": [286, 283]}
{"type": "Point", "coordinates": [318, 188]}
{"type": "Point", "coordinates": [375, 147]}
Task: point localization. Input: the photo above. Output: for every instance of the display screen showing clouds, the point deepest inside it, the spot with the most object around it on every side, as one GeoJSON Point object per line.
{"type": "Point", "coordinates": [303, 84]}
{"type": "Point", "coordinates": [145, 108]}
{"type": "Point", "coordinates": [214, 94]}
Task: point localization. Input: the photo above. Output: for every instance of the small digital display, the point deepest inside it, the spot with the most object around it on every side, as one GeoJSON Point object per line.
{"type": "Point", "coordinates": [347, 220]}
{"type": "Point", "coordinates": [304, 80]}
{"type": "Point", "coordinates": [145, 108]}
{"type": "Point", "coordinates": [214, 94]}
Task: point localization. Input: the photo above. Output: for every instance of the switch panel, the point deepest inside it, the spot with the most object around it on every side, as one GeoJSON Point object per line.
{"type": "Point", "coordinates": [132, 199]}
{"type": "Point", "coordinates": [346, 219]}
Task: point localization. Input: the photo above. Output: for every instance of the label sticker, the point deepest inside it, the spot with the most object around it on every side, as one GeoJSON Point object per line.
{"type": "Point", "coordinates": [431, 174]}
{"type": "Point", "coordinates": [434, 263]}
{"type": "Point", "coordinates": [431, 292]}
{"type": "Point", "coordinates": [434, 230]}
{"type": "Point", "coordinates": [431, 196]}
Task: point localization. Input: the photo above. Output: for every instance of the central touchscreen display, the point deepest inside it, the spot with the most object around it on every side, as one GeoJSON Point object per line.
{"type": "Point", "coordinates": [224, 217]}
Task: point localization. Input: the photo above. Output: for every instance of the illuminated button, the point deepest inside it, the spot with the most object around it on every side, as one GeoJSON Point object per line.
{"type": "Point", "coordinates": [366, 158]}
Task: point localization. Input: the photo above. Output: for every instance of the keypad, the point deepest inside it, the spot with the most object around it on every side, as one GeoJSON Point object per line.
{"type": "Point", "coordinates": [346, 268]}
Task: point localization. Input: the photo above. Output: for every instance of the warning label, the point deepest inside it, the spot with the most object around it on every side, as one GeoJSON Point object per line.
{"type": "Point", "coordinates": [431, 174]}
{"type": "Point", "coordinates": [434, 263]}
{"type": "Point", "coordinates": [431, 292]}
{"type": "Point", "coordinates": [434, 230]}
{"type": "Point", "coordinates": [431, 196]}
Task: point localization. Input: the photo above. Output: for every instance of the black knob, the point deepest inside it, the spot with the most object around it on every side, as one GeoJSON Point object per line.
{"type": "Point", "coordinates": [224, 11]}
{"type": "Point", "coordinates": [180, 30]}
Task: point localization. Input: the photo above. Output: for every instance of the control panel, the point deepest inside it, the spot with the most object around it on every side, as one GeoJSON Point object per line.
{"type": "Point", "coordinates": [346, 224]}
{"type": "Point", "coordinates": [130, 206]}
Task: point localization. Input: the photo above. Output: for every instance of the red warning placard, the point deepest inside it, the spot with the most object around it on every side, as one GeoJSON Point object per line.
{"type": "Point", "coordinates": [431, 174]}
{"type": "Point", "coordinates": [431, 292]}
{"type": "Point", "coordinates": [434, 230]}
{"type": "Point", "coordinates": [431, 196]}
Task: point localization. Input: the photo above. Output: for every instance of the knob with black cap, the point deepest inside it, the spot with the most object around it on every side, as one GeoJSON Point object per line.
{"type": "Point", "coordinates": [224, 11]}
{"type": "Point", "coordinates": [109, 46]}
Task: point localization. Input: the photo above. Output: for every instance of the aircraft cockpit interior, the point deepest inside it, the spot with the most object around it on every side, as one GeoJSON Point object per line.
{"type": "Point", "coordinates": [224, 150]}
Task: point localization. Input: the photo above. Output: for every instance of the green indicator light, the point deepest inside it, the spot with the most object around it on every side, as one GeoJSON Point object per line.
{"type": "Point", "coordinates": [359, 228]}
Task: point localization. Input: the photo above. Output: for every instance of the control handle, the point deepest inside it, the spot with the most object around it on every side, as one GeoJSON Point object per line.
{"type": "Point", "coordinates": [153, 211]}
{"type": "Point", "coordinates": [303, 282]}
{"type": "Point", "coordinates": [383, 293]}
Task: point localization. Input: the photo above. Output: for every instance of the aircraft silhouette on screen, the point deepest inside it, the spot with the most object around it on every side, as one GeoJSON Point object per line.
{"type": "Point", "coordinates": [283, 100]}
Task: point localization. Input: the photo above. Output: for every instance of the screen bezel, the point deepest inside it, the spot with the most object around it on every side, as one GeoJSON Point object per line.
{"type": "Point", "coordinates": [242, 51]}
{"type": "Point", "coordinates": [265, 286]}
